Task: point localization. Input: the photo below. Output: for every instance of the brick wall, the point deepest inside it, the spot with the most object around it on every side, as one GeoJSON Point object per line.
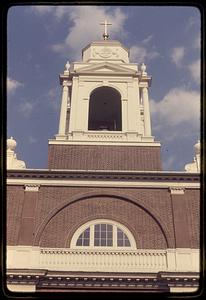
{"type": "Point", "coordinates": [15, 202]}
{"type": "Point", "coordinates": [94, 157]}
{"type": "Point", "coordinates": [150, 214]}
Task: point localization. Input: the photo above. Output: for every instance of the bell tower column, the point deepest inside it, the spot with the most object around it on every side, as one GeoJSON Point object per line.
{"type": "Point", "coordinates": [147, 122]}
{"type": "Point", "coordinates": [64, 104]}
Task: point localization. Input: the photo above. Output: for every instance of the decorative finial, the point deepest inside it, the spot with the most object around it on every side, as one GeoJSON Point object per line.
{"type": "Point", "coordinates": [11, 158]}
{"type": "Point", "coordinates": [197, 147]}
{"type": "Point", "coordinates": [11, 144]}
{"type": "Point", "coordinates": [195, 165]}
{"type": "Point", "coordinates": [105, 34]}
{"type": "Point", "coordinates": [143, 69]}
{"type": "Point", "coordinates": [67, 66]}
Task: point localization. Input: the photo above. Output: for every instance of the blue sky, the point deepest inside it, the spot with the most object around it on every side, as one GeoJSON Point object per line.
{"type": "Point", "coordinates": [42, 38]}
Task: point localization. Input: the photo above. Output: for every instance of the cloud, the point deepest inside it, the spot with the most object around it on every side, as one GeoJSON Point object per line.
{"type": "Point", "coordinates": [148, 39]}
{"type": "Point", "coordinates": [138, 53]}
{"type": "Point", "coordinates": [177, 55]}
{"type": "Point", "coordinates": [194, 69]}
{"type": "Point", "coordinates": [168, 163]}
{"type": "Point", "coordinates": [178, 107]}
{"type": "Point", "coordinates": [25, 108]}
{"type": "Point", "coordinates": [141, 54]}
{"type": "Point", "coordinates": [84, 26]}
{"type": "Point", "coordinates": [12, 85]}
{"type": "Point", "coordinates": [54, 98]}
{"type": "Point", "coordinates": [42, 9]}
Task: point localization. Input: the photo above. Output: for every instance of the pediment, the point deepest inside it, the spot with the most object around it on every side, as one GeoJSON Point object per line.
{"type": "Point", "coordinates": [105, 68]}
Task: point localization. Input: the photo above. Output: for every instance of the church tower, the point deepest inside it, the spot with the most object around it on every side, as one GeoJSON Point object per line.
{"type": "Point", "coordinates": [105, 116]}
{"type": "Point", "coordinates": [103, 216]}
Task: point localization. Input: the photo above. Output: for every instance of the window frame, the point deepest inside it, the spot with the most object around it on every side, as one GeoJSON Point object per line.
{"type": "Point", "coordinates": [91, 225]}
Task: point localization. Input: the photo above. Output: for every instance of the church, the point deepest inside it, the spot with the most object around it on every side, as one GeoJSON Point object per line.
{"type": "Point", "coordinates": [103, 216]}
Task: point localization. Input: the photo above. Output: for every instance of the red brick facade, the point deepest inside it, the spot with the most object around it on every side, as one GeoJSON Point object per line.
{"type": "Point", "coordinates": [100, 157]}
{"type": "Point", "coordinates": [49, 217]}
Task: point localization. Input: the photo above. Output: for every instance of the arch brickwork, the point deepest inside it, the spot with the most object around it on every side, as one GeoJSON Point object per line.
{"type": "Point", "coordinates": [141, 220]}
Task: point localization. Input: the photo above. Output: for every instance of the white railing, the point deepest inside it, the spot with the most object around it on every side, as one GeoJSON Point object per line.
{"type": "Point", "coordinates": [99, 260]}
{"type": "Point", "coordinates": [105, 135]}
{"type": "Point", "coordinates": [140, 260]}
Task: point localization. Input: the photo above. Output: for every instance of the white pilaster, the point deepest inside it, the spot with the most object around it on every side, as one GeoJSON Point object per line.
{"type": "Point", "coordinates": [74, 105]}
{"type": "Point", "coordinates": [64, 104]}
{"type": "Point", "coordinates": [124, 114]}
{"type": "Point", "coordinates": [137, 100]}
{"type": "Point", "coordinates": [147, 122]}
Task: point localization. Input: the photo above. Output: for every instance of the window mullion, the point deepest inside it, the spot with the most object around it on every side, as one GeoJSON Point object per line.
{"type": "Point", "coordinates": [114, 236]}
{"type": "Point", "coordinates": [92, 236]}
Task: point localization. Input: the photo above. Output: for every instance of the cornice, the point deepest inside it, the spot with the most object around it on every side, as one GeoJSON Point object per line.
{"type": "Point", "coordinates": [60, 280]}
{"type": "Point", "coordinates": [142, 176]}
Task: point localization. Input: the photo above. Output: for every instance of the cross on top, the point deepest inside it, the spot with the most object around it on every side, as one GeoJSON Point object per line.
{"type": "Point", "coordinates": [105, 34]}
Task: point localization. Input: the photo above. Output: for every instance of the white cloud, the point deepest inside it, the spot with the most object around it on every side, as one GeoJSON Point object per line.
{"type": "Point", "coordinates": [141, 54]}
{"type": "Point", "coordinates": [148, 39]}
{"type": "Point", "coordinates": [12, 85]}
{"type": "Point", "coordinates": [85, 26]}
{"type": "Point", "coordinates": [168, 163]}
{"type": "Point", "coordinates": [177, 55]}
{"type": "Point", "coordinates": [138, 54]}
{"type": "Point", "coordinates": [194, 69]}
{"type": "Point", "coordinates": [26, 108]}
{"type": "Point", "coordinates": [179, 106]}
{"type": "Point", "coordinates": [54, 98]}
{"type": "Point", "coordinates": [42, 9]}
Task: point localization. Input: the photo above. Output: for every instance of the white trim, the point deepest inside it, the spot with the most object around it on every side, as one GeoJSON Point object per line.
{"type": "Point", "coordinates": [31, 187]}
{"type": "Point", "coordinates": [169, 172]}
{"type": "Point", "coordinates": [21, 287]}
{"type": "Point", "coordinates": [106, 143]}
{"type": "Point", "coordinates": [182, 289]}
{"type": "Point", "coordinates": [177, 190]}
{"type": "Point", "coordinates": [94, 260]}
{"type": "Point", "coordinates": [102, 183]}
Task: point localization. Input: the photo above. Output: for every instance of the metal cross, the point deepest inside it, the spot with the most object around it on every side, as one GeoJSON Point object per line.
{"type": "Point", "coordinates": [105, 34]}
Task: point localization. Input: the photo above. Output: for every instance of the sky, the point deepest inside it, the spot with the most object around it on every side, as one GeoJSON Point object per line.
{"type": "Point", "coordinates": [40, 39]}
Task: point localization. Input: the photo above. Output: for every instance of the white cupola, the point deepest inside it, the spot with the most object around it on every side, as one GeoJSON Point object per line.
{"type": "Point", "coordinates": [105, 97]}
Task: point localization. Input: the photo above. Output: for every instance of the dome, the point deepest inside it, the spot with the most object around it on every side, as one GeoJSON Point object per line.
{"type": "Point", "coordinates": [197, 147]}
{"type": "Point", "coordinates": [11, 144]}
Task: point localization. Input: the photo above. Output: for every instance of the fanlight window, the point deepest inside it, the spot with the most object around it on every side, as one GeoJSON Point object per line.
{"type": "Point", "coordinates": [103, 234]}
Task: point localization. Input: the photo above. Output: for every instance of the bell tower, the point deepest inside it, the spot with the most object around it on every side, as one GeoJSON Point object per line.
{"type": "Point", "coordinates": [105, 117]}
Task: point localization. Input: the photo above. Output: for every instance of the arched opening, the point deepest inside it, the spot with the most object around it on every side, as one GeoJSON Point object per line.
{"type": "Point", "coordinates": [105, 112]}
{"type": "Point", "coordinates": [103, 233]}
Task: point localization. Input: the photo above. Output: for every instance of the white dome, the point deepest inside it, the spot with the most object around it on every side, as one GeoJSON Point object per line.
{"type": "Point", "coordinates": [11, 144]}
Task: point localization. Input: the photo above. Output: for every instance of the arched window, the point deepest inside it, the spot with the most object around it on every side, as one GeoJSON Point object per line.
{"type": "Point", "coordinates": [105, 112]}
{"type": "Point", "coordinates": [103, 233]}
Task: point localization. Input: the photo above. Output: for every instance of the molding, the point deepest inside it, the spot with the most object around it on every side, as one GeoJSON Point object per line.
{"type": "Point", "coordinates": [104, 260]}
{"type": "Point", "coordinates": [134, 178]}
{"type": "Point", "coordinates": [102, 183]}
{"type": "Point", "coordinates": [66, 281]}
{"type": "Point", "coordinates": [96, 69]}
{"type": "Point", "coordinates": [26, 287]}
{"type": "Point", "coordinates": [106, 142]}
{"type": "Point", "coordinates": [175, 190]}
{"type": "Point", "coordinates": [31, 187]}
